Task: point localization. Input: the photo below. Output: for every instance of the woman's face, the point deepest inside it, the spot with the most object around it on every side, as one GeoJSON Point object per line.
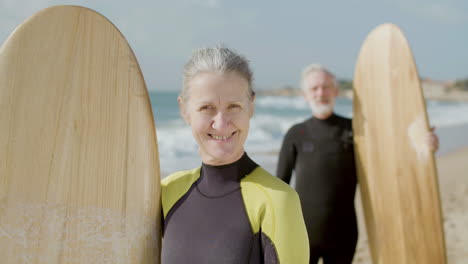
{"type": "Point", "coordinates": [218, 111]}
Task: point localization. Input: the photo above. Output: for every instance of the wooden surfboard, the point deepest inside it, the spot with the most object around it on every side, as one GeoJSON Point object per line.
{"type": "Point", "coordinates": [79, 165]}
{"type": "Point", "coordinates": [396, 170]}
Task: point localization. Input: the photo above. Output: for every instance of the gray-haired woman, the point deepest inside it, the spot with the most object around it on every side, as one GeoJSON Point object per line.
{"type": "Point", "coordinates": [229, 210]}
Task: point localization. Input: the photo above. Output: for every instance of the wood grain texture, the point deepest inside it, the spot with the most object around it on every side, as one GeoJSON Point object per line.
{"type": "Point", "coordinates": [397, 173]}
{"type": "Point", "coordinates": [79, 165]}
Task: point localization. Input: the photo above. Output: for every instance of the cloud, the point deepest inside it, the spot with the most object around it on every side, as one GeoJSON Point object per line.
{"type": "Point", "coordinates": [206, 3]}
{"type": "Point", "coordinates": [444, 13]}
{"type": "Point", "coordinates": [447, 12]}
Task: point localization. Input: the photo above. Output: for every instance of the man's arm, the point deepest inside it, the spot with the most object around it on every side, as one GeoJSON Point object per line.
{"type": "Point", "coordinates": [287, 158]}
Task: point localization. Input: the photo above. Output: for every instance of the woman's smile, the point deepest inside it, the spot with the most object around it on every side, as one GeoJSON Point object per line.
{"type": "Point", "coordinates": [222, 138]}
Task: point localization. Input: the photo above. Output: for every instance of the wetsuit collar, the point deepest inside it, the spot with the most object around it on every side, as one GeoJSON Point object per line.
{"type": "Point", "coordinates": [329, 119]}
{"type": "Point", "coordinates": [218, 180]}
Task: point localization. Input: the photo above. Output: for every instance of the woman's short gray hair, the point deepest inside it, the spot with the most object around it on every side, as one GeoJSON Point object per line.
{"type": "Point", "coordinates": [218, 59]}
{"type": "Point", "coordinates": [316, 68]}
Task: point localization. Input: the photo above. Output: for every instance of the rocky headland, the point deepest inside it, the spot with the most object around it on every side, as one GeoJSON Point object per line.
{"type": "Point", "coordinates": [432, 89]}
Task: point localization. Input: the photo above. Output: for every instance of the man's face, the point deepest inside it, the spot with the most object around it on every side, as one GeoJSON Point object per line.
{"type": "Point", "coordinates": [320, 92]}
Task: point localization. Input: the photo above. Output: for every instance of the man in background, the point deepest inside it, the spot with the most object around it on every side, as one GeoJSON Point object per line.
{"type": "Point", "coordinates": [320, 152]}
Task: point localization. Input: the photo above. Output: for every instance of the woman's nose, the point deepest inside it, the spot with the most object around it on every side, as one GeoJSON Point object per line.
{"type": "Point", "coordinates": [220, 121]}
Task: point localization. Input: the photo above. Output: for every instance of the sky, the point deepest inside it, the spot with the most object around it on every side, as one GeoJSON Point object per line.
{"type": "Point", "coordinates": [278, 37]}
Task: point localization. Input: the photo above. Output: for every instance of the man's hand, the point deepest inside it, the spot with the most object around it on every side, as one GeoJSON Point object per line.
{"type": "Point", "coordinates": [432, 140]}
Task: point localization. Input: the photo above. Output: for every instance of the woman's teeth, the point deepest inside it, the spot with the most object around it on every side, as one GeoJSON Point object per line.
{"type": "Point", "coordinates": [220, 138]}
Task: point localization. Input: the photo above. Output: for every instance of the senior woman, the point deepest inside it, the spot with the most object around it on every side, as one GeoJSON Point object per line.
{"type": "Point", "coordinates": [229, 210]}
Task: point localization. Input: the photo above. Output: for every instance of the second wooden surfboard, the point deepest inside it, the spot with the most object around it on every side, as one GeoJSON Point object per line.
{"type": "Point", "coordinates": [397, 173]}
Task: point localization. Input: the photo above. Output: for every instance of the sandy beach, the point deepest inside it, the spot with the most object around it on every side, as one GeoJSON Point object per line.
{"type": "Point", "coordinates": [453, 183]}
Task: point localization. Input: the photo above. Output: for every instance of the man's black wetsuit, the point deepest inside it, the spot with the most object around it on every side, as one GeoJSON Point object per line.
{"type": "Point", "coordinates": [322, 156]}
{"type": "Point", "coordinates": [235, 213]}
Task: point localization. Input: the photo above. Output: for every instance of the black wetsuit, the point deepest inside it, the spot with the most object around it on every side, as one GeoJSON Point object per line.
{"type": "Point", "coordinates": [235, 213]}
{"type": "Point", "coordinates": [322, 156]}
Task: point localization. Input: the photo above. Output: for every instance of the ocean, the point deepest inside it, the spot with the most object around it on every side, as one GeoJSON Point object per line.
{"type": "Point", "coordinates": [273, 117]}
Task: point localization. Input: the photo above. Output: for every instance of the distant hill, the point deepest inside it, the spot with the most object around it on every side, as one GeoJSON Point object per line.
{"type": "Point", "coordinates": [433, 89]}
{"type": "Point", "coordinates": [461, 85]}
{"type": "Point", "coordinates": [346, 87]}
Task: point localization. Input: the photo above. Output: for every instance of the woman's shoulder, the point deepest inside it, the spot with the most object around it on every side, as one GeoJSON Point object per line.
{"type": "Point", "coordinates": [269, 184]}
{"type": "Point", "coordinates": [181, 177]}
{"type": "Point", "coordinates": [174, 186]}
{"type": "Point", "coordinates": [271, 204]}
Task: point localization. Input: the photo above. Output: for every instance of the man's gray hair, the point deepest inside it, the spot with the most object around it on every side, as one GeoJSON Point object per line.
{"type": "Point", "coordinates": [219, 60]}
{"type": "Point", "coordinates": [316, 68]}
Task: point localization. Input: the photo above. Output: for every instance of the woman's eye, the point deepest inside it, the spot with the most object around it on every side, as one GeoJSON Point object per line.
{"type": "Point", "coordinates": [234, 106]}
{"type": "Point", "coordinates": [206, 108]}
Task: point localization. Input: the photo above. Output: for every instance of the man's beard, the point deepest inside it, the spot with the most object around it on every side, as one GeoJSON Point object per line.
{"type": "Point", "coordinates": [321, 108]}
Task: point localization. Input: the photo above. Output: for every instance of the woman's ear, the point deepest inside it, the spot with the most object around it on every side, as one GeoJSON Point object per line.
{"type": "Point", "coordinates": [183, 110]}
{"type": "Point", "coordinates": [252, 106]}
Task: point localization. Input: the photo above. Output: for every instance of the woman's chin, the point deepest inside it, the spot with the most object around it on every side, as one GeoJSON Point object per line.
{"type": "Point", "coordinates": [221, 157]}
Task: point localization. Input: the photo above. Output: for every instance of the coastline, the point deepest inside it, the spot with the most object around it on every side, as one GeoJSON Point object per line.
{"type": "Point", "coordinates": [438, 95]}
